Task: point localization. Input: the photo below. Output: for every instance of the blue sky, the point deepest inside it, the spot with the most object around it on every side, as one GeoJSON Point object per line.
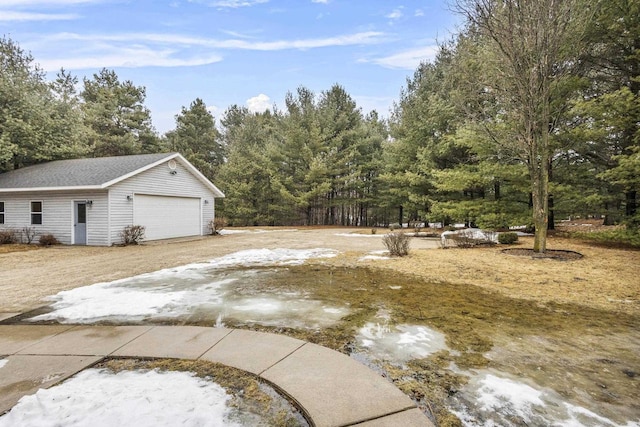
{"type": "Point", "coordinates": [245, 52]}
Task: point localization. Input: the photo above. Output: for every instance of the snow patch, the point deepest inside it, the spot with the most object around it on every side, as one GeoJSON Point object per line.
{"type": "Point", "coordinates": [359, 235]}
{"type": "Point", "coordinates": [206, 291]}
{"type": "Point", "coordinates": [147, 399]}
{"type": "Point", "coordinates": [493, 399]}
{"type": "Point", "coordinates": [3, 362]}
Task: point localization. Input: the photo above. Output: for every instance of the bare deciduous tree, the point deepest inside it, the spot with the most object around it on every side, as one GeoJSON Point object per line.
{"type": "Point", "coordinates": [531, 47]}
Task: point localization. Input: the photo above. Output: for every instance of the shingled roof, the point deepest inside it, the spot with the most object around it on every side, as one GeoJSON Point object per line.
{"type": "Point", "coordinates": [90, 173]}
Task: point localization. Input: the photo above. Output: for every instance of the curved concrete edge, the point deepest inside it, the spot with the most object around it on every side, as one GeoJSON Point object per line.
{"type": "Point", "coordinates": [330, 387]}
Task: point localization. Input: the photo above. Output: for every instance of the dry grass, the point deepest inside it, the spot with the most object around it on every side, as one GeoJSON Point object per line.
{"type": "Point", "coordinates": [604, 278]}
{"type": "Point", "coordinates": [5, 249]}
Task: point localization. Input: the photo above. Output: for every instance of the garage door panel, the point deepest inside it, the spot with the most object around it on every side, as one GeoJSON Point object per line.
{"type": "Point", "coordinates": [166, 217]}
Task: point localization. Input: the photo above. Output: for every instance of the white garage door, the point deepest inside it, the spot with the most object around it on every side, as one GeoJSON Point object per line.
{"type": "Point", "coordinates": [166, 217]}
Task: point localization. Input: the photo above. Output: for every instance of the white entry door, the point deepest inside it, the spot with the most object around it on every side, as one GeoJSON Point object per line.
{"type": "Point", "coordinates": [79, 223]}
{"type": "Point", "coordinates": [165, 217]}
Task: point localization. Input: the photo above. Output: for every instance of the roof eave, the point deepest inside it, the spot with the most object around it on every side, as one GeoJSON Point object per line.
{"type": "Point", "coordinates": [41, 189]}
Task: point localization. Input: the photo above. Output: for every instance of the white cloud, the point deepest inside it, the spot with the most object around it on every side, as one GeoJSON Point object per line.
{"type": "Point", "coordinates": [320, 1]}
{"type": "Point", "coordinates": [9, 16]}
{"type": "Point", "coordinates": [259, 104]}
{"type": "Point", "coordinates": [213, 110]}
{"type": "Point", "coordinates": [27, 3]}
{"type": "Point", "coordinates": [137, 56]}
{"type": "Point", "coordinates": [236, 3]}
{"type": "Point", "coordinates": [418, 12]}
{"type": "Point", "coordinates": [395, 14]}
{"type": "Point", "coordinates": [408, 59]}
{"type": "Point", "coordinates": [369, 37]}
{"type": "Point", "coordinates": [79, 51]}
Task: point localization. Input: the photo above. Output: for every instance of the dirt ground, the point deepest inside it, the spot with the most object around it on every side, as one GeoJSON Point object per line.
{"type": "Point", "coordinates": [608, 279]}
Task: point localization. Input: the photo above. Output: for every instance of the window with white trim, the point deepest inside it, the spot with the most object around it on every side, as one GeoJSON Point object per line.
{"type": "Point", "coordinates": [1, 212]}
{"type": "Point", "coordinates": [36, 213]}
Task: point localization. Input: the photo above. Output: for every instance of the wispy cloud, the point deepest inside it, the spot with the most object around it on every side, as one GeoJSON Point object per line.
{"type": "Point", "coordinates": [418, 12]}
{"type": "Point", "coordinates": [29, 3]}
{"type": "Point", "coordinates": [320, 1]}
{"type": "Point", "coordinates": [10, 16]}
{"type": "Point", "coordinates": [79, 51]}
{"type": "Point", "coordinates": [368, 37]}
{"type": "Point", "coordinates": [133, 57]}
{"type": "Point", "coordinates": [408, 59]}
{"type": "Point", "coordinates": [395, 14]}
{"type": "Point", "coordinates": [233, 4]}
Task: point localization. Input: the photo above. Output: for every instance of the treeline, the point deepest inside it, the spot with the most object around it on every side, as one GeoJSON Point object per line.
{"type": "Point", "coordinates": [531, 112]}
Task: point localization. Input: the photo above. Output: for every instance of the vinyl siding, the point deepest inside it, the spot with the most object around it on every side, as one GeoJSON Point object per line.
{"type": "Point", "coordinates": [57, 214]}
{"type": "Point", "coordinates": [156, 181]}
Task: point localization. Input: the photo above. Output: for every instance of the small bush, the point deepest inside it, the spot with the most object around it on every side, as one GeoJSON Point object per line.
{"type": "Point", "coordinates": [374, 230]}
{"type": "Point", "coordinates": [507, 238]}
{"type": "Point", "coordinates": [216, 225]}
{"type": "Point", "coordinates": [132, 235]}
{"type": "Point", "coordinates": [8, 237]}
{"type": "Point", "coordinates": [48, 240]}
{"type": "Point", "coordinates": [396, 243]}
{"type": "Point", "coordinates": [394, 226]}
{"type": "Point", "coordinates": [29, 234]}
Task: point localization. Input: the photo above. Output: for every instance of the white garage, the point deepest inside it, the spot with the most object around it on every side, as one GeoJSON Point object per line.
{"type": "Point", "coordinates": [165, 217]}
{"type": "Point", "coordinates": [93, 201]}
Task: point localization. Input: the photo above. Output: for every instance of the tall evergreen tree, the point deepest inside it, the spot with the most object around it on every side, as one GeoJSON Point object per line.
{"type": "Point", "coordinates": [114, 111]}
{"type": "Point", "coordinates": [198, 139]}
{"type": "Point", "coordinates": [38, 121]}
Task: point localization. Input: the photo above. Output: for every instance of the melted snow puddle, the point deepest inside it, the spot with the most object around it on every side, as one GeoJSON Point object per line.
{"type": "Point", "coordinates": [399, 343]}
{"type": "Point", "coordinates": [493, 398]}
{"type": "Point", "coordinates": [205, 292]}
{"type": "Point", "coordinates": [147, 399]}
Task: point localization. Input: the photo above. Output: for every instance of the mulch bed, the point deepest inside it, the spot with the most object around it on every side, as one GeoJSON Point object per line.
{"type": "Point", "coordinates": [557, 254]}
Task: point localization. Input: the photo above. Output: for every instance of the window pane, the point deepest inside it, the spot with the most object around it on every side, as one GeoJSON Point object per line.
{"type": "Point", "coordinates": [82, 213]}
{"type": "Point", "coordinates": [1, 218]}
{"type": "Point", "coordinates": [1, 206]}
{"type": "Point", "coordinates": [36, 207]}
{"type": "Point", "coordinates": [36, 219]}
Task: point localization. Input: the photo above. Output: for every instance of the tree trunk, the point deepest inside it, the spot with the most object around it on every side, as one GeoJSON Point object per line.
{"type": "Point", "coordinates": [632, 203]}
{"type": "Point", "coordinates": [539, 170]}
{"type": "Point", "coordinates": [552, 216]}
{"type": "Point", "coordinates": [400, 215]}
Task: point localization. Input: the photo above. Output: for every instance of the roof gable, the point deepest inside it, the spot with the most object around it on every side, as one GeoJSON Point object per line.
{"type": "Point", "coordinates": [90, 173]}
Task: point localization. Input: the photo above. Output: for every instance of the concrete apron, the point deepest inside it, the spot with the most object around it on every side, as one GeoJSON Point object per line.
{"type": "Point", "coordinates": [329, 387]}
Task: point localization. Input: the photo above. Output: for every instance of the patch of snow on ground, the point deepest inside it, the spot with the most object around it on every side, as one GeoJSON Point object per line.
{"type": "Point", "coordinates": [400, 343]}
{"type": "Point", "coordinates": [229, 232]}
{"type": "Point", "coordinates": [493, 399]}
{"type": "Point", "coordinates": [3, 362]}
{"type": "Point", "coordinates": [226, 232]}
{"type": "Point", "coordinates": [375, 256]}
{"type": "Point", "coordinates": [251, 257]}
{"type": "Point", "coordinates": [203, 291]}
{"type": "Point", "coordinates": [145, 399]}
{"type": "Point", "coordinates": [358, 235]}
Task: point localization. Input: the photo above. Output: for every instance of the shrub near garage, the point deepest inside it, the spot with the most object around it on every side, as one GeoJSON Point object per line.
{"type": "Point", "coordinates": [8, 237]}
{"type": "Point", "coordinates": [132, 234]}
{"type": "Point", "coordinates": [48, 240]}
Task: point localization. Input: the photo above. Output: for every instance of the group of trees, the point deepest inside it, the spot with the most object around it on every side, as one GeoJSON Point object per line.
{"type": "Point", "coordinates": [532, 110]}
